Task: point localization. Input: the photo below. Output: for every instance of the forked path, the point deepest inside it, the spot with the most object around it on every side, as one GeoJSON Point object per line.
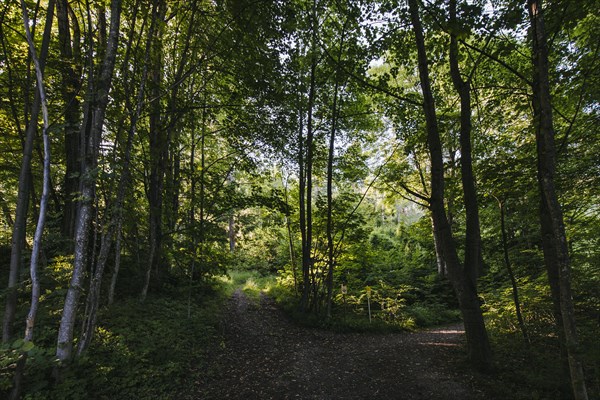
{"type": "Point", "coordinates": [265, 356]}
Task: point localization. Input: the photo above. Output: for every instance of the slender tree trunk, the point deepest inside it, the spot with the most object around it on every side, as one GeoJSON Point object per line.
{"type": "Point", "coordinates": [37, 239]}
{"type": "Point", "coordinates": [70, 88]}
{"type": "Point", "coordinates": [439, 255]}
{"type": "Point", "coordinates": [231, 219]}
{"type": "Point", "coordinates": [172, 153]}
{"type": "Point", "coordinates": [307, 261]}
{"type": "Point", "coordinates": [511, 274]}
{"type": "Point", "coordinates": [290, 239]}
{"type": "Point", "coordinates": [114, 217]}
{"type": "Point", "coordinates": [192, 217]}
{"type": "Point", "coordinates": [542, 106]}
{"type": "Point", "coordinates": [302, 206]}
{"type": "Point", "coordinates": [23, 193]}
{"type": "Point", "coordinates": [307, 248]}
{"type": "Point", "coordinates": [473, 259]}
{"type": "Point", "coordinates": [126, 167]}
{"type": "Point", "coordinates": [65, 333]}
{"type": "Point", "coordinates": [330, 242]}
{"type": "Point", "coordinates": [115, 275]}
{"type": "Point", "coordinates": [201, 237]}
{"type": "Point", "coordinates": [477, 339]}
{"type": "Point", "coordinates": [158, 145]}
{"type": "Point", "coordinates": [330, 157]}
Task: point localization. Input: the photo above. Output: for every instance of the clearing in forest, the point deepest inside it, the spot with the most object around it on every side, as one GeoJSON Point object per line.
{"type": "Point", "coordinates": [266, 356]}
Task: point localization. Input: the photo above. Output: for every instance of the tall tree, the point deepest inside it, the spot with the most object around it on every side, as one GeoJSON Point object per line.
{"type": "Point", "coordinates": [24, 193]}
{"type": "Point", "coordinates": [556, 251]}
{"type": "Point", "coordinates": [93, 136]}
{"type": "Point", "coordinates": [335, 110]}
{"type": "Point", "coordinates": [113, 215]}
{"type": "Point", "coordinates": [307, 256]}
{"type": "Point", "coordinates": [158, 146]}
{"type": "Point", "coordinates": [69, 39]}
{"type": "Point", "coordinates": [39, 230]}
{"type": "Point", "coordinates": [473, 259]}
{"type": "Point", "coordinates": [462, 280]}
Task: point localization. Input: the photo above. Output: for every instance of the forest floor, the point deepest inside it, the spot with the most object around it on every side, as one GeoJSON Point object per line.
{"type": "Point", "coordinates": [264, 355]}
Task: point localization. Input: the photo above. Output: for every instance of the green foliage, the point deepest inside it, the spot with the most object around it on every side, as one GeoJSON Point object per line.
{"type": "Point", "coordinates": [140, 351]}
{"type": "Point", "coordinates": [252, 282]}
{"type": "Point", "coordinates": [536, 307]}
{"type": "Point", "coordinates": [230, 105]}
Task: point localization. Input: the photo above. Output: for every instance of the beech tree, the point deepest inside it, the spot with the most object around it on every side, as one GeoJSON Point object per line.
{"type": "Point", "coordinates": [93, 136]}
{"type": "Point", "coordinates": [556, 253]}
{"type": "Point", "coordinates": [461, 276]}
{"type": "Point", "coordinates": [25, 185]}
{"type": "Point", "coordinates": [39, 230]}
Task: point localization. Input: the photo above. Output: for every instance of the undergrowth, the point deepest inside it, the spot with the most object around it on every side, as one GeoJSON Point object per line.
{"type": "Point", "coordinates": [252, 283]}
{"type": "Point", "coordinates": [348, 315]}
{"type": "Point", "coordinates": [140, 351]}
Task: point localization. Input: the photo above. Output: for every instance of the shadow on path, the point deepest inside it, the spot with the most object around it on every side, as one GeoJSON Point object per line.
{"type": "Point", "coordinates": [265, 356]}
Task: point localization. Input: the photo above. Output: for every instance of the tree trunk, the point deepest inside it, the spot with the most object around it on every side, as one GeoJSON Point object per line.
{"type": "Point", "coordinates": [302, 202]}
{"type": "Point", "coordinates": [231, 220]}
{"type": "Point", "coordinates": [473, 260]}
{"type": "Point", "coordinates": [135, 116]}
{"type": "Point", "coordinates": [171, 153]}
{"type": "Point", "coordinates": [158, 144]}
{"type": "Point", "coordinates": [70, 88]}
{"type": "Point", "coordinates": [330, 243]}
{"type": "Point", "coordinates": [477, 339]}
{"type": "Point", "coordinates": [334, 120]}
{"type": "Point", "coordinates": [511, 274]}
{"type": "Point", "coordinates": [546, 152]}
{"type": "Point", "coordinates": [114, 221]}
{"type": "Point", "coordinates": [439, 255]}
{"type": "Point", "coordinates": [25, 184]}
{"type": "Point", "coordinates": [192, 215]}
{"type": "Point", "coordinates": [289, 233]}
{"type": "Point", "coordinates": [307, 264]}
{"type": "Point", "coordinates": [37, 239]}
{"type": "Point", "coordinates": [65, 333]}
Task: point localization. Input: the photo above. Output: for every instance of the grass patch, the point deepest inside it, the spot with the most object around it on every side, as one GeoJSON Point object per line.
{"type": "Point", "coordinates": [252, 283]}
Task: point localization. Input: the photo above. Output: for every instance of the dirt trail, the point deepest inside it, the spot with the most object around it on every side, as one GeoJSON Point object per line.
{"type": "Point", "coordinates": [265, 356]}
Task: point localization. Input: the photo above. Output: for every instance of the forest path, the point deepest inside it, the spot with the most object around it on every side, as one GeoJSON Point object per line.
{"type": "Point", "coordinates": [266, 356]}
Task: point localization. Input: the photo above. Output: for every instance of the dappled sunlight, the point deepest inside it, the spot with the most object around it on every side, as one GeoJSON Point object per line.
{"type": "Point", "coordinates": [440, 344]}
{"type": "Point", "coordinates": [318, 197]}
{"type": "Point", "coordinates": [447, 331]}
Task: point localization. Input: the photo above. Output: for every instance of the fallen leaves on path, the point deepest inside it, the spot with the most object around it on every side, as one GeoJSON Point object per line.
{"type": "Point", "coordinates": [265, 356]}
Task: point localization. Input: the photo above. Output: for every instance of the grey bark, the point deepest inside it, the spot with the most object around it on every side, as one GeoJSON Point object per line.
{"type": "Point", "coordinates": [37, 239]}
{"type": "Point", "coordinates": [64, 349]}
{"type": "Point", "coordinates": [439, 256]}
{"type": "Point", "coordinates": [23, 193]}
{"type": "Point", "coordinates": [113, 224]}
{"type": "Point", "coordinates": [290, 238]}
